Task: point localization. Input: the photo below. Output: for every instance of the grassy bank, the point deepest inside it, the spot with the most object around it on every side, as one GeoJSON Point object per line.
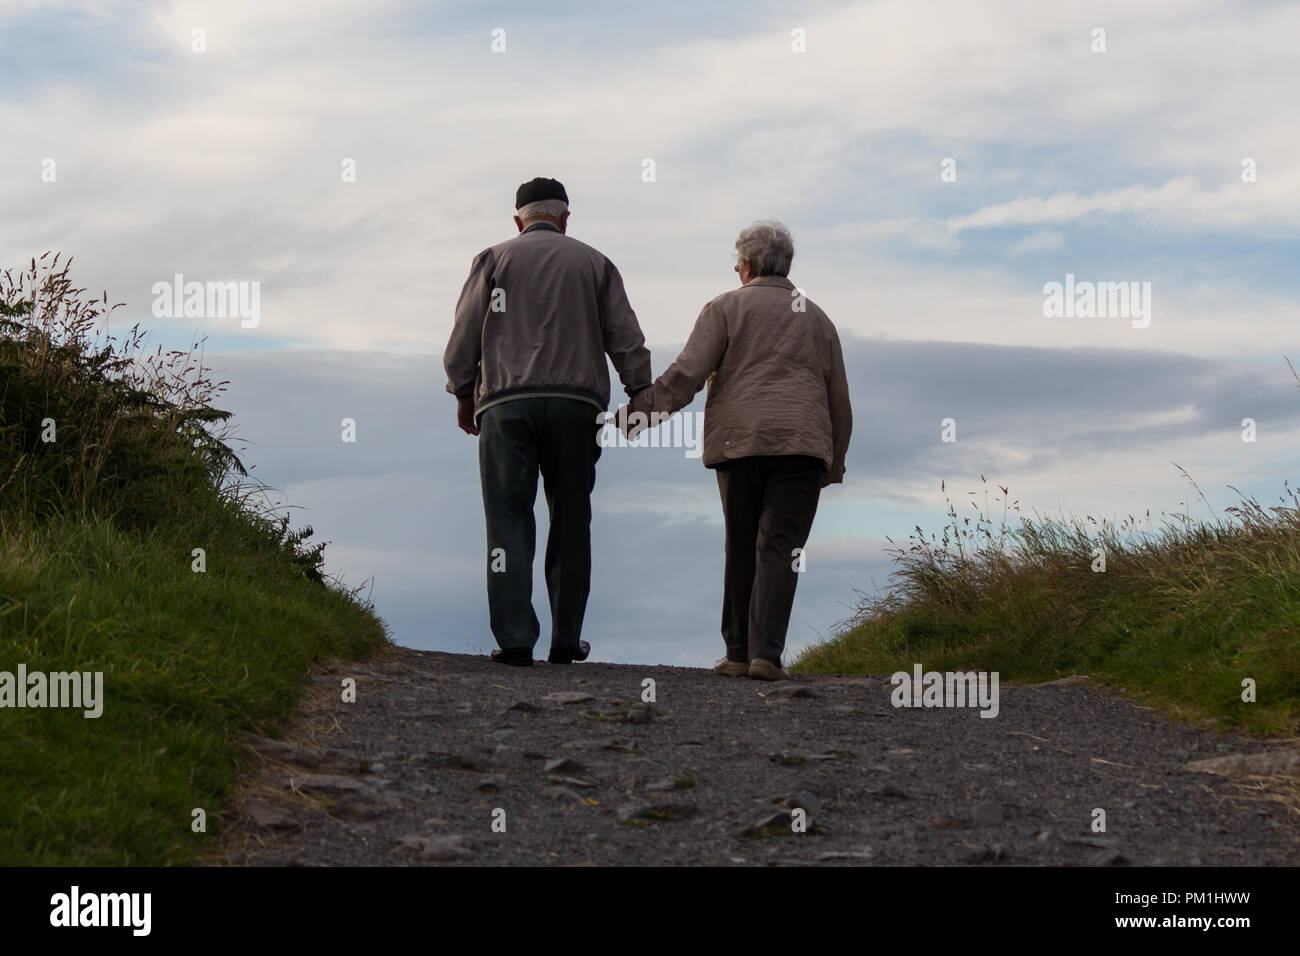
{"type": "Point", "coordinates": [1182, 614]}
{"type": "Point", "coordinates": [115, 466]}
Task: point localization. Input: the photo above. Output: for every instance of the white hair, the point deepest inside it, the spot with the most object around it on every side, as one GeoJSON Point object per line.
{"type": "Point", "coordinates": [551, 208]}
{"type": "Point", "coordinates": [768, 248]}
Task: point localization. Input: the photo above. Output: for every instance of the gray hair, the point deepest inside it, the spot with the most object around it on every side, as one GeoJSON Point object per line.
{"type": "Point", "coordinates": [768, 247]}
{"type": "Point", "coordinates": [551, 208]}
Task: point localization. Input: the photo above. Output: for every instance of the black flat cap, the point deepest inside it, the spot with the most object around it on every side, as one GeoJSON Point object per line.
{"type": "Point", "coordinates": [535, 190]}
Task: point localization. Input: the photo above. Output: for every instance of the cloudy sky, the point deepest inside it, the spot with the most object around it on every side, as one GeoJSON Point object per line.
{"type": "Point", "coordinates": [939, 163]}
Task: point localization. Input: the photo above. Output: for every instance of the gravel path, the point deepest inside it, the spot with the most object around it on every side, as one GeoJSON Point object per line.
{"type": "Point", "coordinates": [440, 752]}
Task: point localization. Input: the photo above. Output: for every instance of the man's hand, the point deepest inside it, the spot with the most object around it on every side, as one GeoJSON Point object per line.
{"type": "Point", "coordinates": [465, 416]}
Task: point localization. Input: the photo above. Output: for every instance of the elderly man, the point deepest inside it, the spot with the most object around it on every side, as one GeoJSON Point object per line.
{"type": "Point", "coordinates": [776, 428]}
{"type": "Point", "coordinates": [526, 362]}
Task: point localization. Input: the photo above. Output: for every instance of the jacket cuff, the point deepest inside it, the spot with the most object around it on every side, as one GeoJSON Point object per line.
{"type": "Point", "coordinates": [642, 400]}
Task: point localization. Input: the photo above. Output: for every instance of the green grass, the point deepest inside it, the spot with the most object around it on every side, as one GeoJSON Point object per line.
{"type": "Point", "coordinates": [97, 531]}
{"type": "Point", "coordinates": [191, 661]}
{"type": "Point", "coordinates": [1180, 616]}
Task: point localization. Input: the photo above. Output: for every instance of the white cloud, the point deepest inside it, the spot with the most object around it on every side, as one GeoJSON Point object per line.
{"type": "Point", "coordinates": [1181, 200]}
{"type": "Point", "coordinates": [1044, 240]}
{"type": "Point", "coordinates": [229, 166]}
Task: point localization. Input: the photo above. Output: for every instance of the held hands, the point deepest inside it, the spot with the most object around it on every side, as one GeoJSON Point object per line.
{"type": "Point", "coordinates": [630, 423]}
{"type": "Point", "coordinates": [465, 416]}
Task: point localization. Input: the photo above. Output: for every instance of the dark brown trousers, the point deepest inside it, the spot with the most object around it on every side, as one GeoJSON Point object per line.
{"type": "Point", "coordinates": [768, 504]}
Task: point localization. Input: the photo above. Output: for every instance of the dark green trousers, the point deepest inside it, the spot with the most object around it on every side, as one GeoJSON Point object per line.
{"type": "Point", "coordinates": [518, 439]}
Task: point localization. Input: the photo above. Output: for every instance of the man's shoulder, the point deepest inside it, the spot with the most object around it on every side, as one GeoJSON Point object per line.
{"type": "Point", "coordinates": [575, 248]}
{"type": "Point", "coordinates": [485, 255]}
{"type": "Point", "coordinates": [580, 247]}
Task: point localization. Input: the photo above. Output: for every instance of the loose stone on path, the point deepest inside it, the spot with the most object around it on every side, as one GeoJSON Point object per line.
{"type": "Point", "coordinates": [550, 765]}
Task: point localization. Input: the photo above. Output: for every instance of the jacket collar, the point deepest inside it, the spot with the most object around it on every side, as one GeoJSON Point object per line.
{"type": "Point", "coordinates": [541, 224]}
{"type": "Point", "coordinates": [781, 282]}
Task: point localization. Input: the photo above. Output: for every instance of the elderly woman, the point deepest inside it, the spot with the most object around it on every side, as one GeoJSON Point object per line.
{"type": "Point", "coordinates": [776, 427]}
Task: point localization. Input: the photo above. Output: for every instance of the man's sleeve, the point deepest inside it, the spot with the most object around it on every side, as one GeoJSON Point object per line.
{"type": "Point", "coordinates": [837, 395]}
{"type": "Point", "coordinates": [624, 342]}
{"type": "Point", "coordinates": [465, 347]}
{"type": "Point", "coordinates": [700, 358]}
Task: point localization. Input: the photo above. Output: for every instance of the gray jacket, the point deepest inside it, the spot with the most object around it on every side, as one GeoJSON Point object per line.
{"type": "Point", "coordinates": [780, 386]}
{"type": "Point", "coordinates": [537, 316]}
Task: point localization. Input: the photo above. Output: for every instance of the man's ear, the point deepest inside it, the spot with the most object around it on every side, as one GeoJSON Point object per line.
{"type": "Point", "coordinates": [564, 222]}
{"type": "Point", "coordinates": [519, 223]}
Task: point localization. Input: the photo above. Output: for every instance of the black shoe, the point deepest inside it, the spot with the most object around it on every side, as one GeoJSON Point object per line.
{"type": "Point", "coordinates": [567, 655]}
{"type": "Point", "coordinates": [515, 656]}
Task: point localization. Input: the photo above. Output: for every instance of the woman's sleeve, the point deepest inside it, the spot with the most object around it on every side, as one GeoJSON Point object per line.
{"type": "Point", "coordinates": [701, 356]}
